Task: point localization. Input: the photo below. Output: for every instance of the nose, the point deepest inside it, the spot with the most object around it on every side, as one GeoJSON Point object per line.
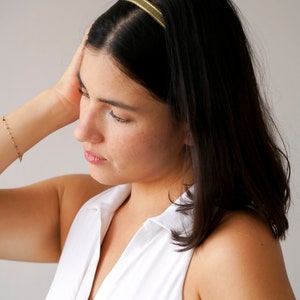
{"type": "Point", "coordinates": [89, 126]}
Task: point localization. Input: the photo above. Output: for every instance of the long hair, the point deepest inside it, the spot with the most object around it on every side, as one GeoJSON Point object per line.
{"type": "Point", "coordinates": [201, 65]}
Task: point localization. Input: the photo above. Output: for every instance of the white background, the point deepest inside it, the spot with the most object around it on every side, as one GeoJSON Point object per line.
{"type": "Point", "coordinates": [38, 39]}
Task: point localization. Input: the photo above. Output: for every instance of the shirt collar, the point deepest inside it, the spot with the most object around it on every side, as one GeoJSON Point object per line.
{"type": "Point", "coordinates": [171, 219]}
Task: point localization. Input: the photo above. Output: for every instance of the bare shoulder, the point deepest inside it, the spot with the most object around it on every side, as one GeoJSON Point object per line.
{"type": "Point", "coordinates": [240, 260]}
{"type": "Point", "coordinates": [35, 219]}
{"type": "Point", "coordinates": [81, 185]}
{"type": "Point", "coordinates": [74, 191]}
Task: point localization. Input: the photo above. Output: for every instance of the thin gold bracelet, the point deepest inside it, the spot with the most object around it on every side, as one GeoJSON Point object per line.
{"type": "Point", "coordinates": [20, 155]}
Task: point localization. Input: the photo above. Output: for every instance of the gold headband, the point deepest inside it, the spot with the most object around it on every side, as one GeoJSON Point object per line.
{"type": "Point", "coordinates": [150, 9]}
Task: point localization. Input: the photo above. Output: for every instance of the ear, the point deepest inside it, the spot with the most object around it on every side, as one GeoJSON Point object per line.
{"type": "Point", "coordinates": [188, 139]}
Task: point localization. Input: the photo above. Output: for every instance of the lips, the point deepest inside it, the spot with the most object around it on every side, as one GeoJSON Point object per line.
{"type": "Point", "coordinates": [93, 158]}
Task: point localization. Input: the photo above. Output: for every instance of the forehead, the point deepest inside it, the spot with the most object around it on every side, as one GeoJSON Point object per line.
{"type": "Point", "coordinates": [104, 80]}
{"type": "Point", "coordinates": [100, 72]}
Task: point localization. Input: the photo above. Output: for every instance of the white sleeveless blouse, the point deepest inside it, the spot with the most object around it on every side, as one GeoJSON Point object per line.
{"type": "Point", "coordinates": [150, 268]}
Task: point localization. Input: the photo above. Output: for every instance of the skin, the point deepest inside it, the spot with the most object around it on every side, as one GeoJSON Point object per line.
{"type": "Point", "coordinates": [152, 143]}
{"type": "Point", "coordinates": [152, 146]}
{"type": "Point", "coordinates": [142, 146]}
{"type": "Point", "coordinates": [239, 260]}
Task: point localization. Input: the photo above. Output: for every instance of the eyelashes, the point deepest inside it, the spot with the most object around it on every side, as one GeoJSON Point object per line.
{"type": "Point", "coordinates": [85, 94]}
{"type": "Point", "coordinates": [118, 119]}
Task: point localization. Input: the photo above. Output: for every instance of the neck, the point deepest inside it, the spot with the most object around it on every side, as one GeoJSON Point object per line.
{"type": "Point", "coordinates": [148, 200]}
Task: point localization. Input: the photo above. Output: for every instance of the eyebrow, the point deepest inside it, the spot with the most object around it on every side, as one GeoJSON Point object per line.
{"type": "Point", "coordinates": [115, 103]}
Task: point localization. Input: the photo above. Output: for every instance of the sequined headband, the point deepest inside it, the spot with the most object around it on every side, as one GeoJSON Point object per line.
{"type": "Point", "coordinates": [150, 9]}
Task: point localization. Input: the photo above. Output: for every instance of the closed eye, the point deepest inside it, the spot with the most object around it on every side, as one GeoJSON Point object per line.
{"type": "Point", "coordinates": [82, 90]}
{"type": "Point", "coordinates": [118, 119]}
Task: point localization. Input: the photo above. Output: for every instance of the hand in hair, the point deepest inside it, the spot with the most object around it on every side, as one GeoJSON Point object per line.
{"type": "Point", "coordinates": [68, 85]}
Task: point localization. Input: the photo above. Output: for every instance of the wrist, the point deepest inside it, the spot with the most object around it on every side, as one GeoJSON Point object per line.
{"type": "Point", "coordinates": [40, 117]}
{"type": "Point", "coordinates": [59, 110]}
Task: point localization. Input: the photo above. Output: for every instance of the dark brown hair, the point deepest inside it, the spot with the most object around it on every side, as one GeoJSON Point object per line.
{"type": "Point", "coordinates": [201, 65]}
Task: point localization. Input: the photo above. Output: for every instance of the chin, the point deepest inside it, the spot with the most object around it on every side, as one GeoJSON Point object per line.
{"type": "Point", "coordinates": [108, 180]}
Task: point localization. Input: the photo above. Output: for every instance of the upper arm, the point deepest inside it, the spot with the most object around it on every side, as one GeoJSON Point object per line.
{"type": "Point", "coordinates": [34, 220]}
{"type": "Point", "coordinates": [241, 260]}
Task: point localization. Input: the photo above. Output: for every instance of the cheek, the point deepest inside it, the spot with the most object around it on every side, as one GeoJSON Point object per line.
{"type": "Point", "coordinates": [145, 149]}
{"type": "Point", "coordinates": [130, 149]}
{"type": "Point", "coordinates": [146, 144]}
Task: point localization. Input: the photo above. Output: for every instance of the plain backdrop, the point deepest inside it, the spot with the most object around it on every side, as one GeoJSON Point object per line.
{"type": "Point", "coordinates": [38, 39]}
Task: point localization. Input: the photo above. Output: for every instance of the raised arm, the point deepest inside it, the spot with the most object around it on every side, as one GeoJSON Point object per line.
{"type": "Point", "coordinates": [35, 220]}
{"type": "Point", "coordinates": [49, 111]}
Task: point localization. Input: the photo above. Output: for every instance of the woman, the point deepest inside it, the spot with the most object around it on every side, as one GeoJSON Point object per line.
{"type": "Point", "coordinates": [171, 116]}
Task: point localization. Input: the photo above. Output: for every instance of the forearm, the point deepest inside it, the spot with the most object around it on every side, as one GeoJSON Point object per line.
{"type": "Point", "coordinates": [31, 123]}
